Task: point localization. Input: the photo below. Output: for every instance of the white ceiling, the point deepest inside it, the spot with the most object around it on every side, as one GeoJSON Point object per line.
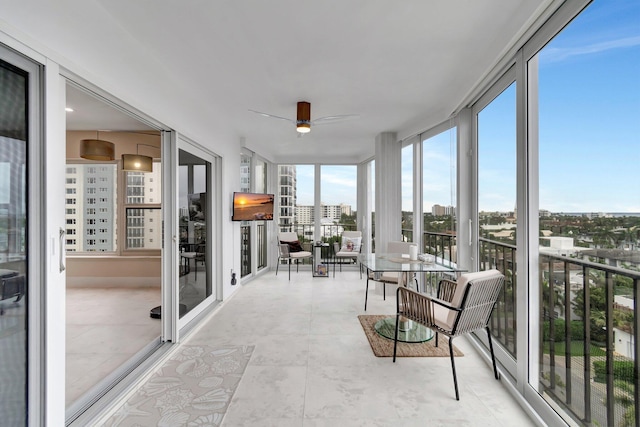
{"type": "Point", "coordinates": [402, 66]}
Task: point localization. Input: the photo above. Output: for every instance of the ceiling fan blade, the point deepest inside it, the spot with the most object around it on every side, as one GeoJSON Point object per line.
{"type": "Point", "coordinates": [333, 119]}
{"type": "Point", "coordinates": [272, 116]}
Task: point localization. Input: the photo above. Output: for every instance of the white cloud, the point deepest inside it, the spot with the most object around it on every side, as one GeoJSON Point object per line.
{"type": "Point", "coordinates": [557, 54]}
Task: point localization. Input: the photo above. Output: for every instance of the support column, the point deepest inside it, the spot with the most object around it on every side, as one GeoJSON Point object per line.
{"type": "Point", "coordinates": [365, 192]}
{"type": "Point", "coordinates": [467, 208]}
{"type": "Point", "coordinates": [388, 192]}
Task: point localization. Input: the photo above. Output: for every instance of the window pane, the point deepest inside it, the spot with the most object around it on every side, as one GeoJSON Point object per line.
{"type": "Point", "coordinates": [589, 198]}
{"type": "Point", "coordinates": [144, 229]}
{"type": "Point", "coordinates": [144, 187]}
{"type": "Point", "coordinates": [339, 193]}
{"type": "Point", "coordinates": [195, 282]}
{"type": "Point", "coordinates": [497, 217]}
{"type": "Point", "coordinates": [296, 193]}
{"type": "Point", "coordinates": [407, 193]}
{"type": "Point", "coordinates": [439, 194]}
{"type": "Point", "coordinates": [245, 226]}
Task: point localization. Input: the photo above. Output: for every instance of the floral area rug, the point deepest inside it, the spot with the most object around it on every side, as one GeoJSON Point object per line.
{"type": "Point", "coordinates": [193, 388]}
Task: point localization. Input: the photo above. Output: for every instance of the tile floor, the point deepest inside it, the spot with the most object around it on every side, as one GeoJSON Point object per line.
{"type": "Point", "coordinates": [312, 365]}
{"type": "Point", "coordinates": [105, 328]}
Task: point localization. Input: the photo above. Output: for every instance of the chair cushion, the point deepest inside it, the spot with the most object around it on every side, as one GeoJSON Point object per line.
{"type": "Point", "coordinates": [461, 287]}
{"type": "Point", "coordinates": [287, 236]}
{"type": "Point", "coordinates": [300, 254]}
{"type": "Point", "coordinates": [351, 244]}
{"type": "Point", "coordinates": [443, 317]}
{"type": "Point", "coordinates": [294, 246]}
{"type": "Point", "coordinates": [385, 277]}
{"type": "Point", "coordinates": [464, 279]}
{"type": "Point", "coordinates": [347, 254]}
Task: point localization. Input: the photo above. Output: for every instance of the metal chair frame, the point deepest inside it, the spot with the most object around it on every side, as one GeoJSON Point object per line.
{"type": "Point", "coordinates": [284, 253]}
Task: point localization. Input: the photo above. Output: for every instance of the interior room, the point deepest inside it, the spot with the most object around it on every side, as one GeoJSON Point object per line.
{"type": "Point", "coordinates": [113, 263]}
{"type": "Point", "coordinates": [319, 213]}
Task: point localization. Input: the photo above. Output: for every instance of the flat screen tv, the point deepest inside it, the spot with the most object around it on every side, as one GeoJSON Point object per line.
{"type": "Point", "coordinates": [252, 207]}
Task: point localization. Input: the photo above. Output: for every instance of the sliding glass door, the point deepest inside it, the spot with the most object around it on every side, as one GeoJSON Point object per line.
{"type": "Point", "coordinates": [195, 218]}
{"type": "Point", "coordinates": [19, 153]}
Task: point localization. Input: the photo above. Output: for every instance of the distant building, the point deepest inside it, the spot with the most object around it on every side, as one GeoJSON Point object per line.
{"type": "Point", "coordinates": [305, 214]}
{"type": "Point", "coordinates": [438, 210]}
{"type": "Point", "coordinates": [624, 342]}
{"type": "Point", "coordinates": [557, 245]}
{"type": "Point", "coordinates": [614, 257]}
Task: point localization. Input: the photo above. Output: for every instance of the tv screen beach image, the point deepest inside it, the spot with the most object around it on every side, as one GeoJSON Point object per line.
{"type": "Point", "coordinates": [251, 206]}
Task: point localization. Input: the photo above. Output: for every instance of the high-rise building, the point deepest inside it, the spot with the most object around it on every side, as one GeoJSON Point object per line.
{"type": "Point", "coordinates": [91, 192]}
{"type": "Point", "coordinates": [92, 209]}
{"type": "Point", "coordinates": [245, 173]}
{"type": "Point", "coordinates": [144, 225]}
{"type": "Point", "coordinates": [287, 195]}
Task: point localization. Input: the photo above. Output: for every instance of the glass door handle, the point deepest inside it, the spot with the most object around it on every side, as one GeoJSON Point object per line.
{"type": "Point", "coordinates": [62, 266]}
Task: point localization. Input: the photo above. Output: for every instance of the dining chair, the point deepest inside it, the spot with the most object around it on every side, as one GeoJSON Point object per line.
{"type": "Point", "coordinates": [391, 278]}
{"type": "Point", "coordinates": [460, 307]}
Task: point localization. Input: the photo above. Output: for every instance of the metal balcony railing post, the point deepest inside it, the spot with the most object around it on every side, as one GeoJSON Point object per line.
{"type": "Point", "coordinates": [567, 330]}
{"type": "Point", "coordinates": [636, 351]}
{"type": "Point", "coordinates": [552, 329]}
{"type": "Point", "coordinates": [586, 308]}
{"type": "Point", "coordinates": [610, 347]}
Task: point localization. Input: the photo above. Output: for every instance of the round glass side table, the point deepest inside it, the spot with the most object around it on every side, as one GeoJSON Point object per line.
{"type": "Point", "coordinates": [409, 331]}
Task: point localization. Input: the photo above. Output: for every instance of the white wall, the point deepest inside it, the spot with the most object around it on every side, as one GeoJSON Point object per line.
{"type": "Point", "coordinates": [101, 53]}
{"type": "Point", "coordinates": [96, 50]}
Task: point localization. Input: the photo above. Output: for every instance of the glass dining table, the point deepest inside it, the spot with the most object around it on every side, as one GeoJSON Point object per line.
{"type": "Point", "coordinates": [433, 267]}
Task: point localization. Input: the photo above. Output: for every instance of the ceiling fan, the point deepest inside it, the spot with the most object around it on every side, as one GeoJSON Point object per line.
{"type": "Point", "coordinates": [303, 120]}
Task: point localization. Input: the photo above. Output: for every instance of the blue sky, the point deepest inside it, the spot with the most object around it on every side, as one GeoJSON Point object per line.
{"type": "Point", "coordinates": [589, 124]}
{"type": "Point", "coordinates": [590, 112]}
{"type": "Point", "coordinates": [338, 184]}
{"type": "Point", "coordinates": [589, 128]}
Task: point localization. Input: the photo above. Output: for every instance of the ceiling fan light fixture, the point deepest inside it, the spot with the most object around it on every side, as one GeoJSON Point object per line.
{"type": "Point", "coordinates": [303, 127]}
{"type": "Point", "coordinates": [303, 122]}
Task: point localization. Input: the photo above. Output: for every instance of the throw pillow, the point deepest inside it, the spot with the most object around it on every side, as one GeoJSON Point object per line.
{"type": "Point", "coordinates": [294, 246]}
{"type": "Point", "coordinates": [351, 244]}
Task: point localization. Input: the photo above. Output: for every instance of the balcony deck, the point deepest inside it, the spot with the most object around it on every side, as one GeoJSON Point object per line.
{"type": "Point", "coordinates": [312, 364]}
